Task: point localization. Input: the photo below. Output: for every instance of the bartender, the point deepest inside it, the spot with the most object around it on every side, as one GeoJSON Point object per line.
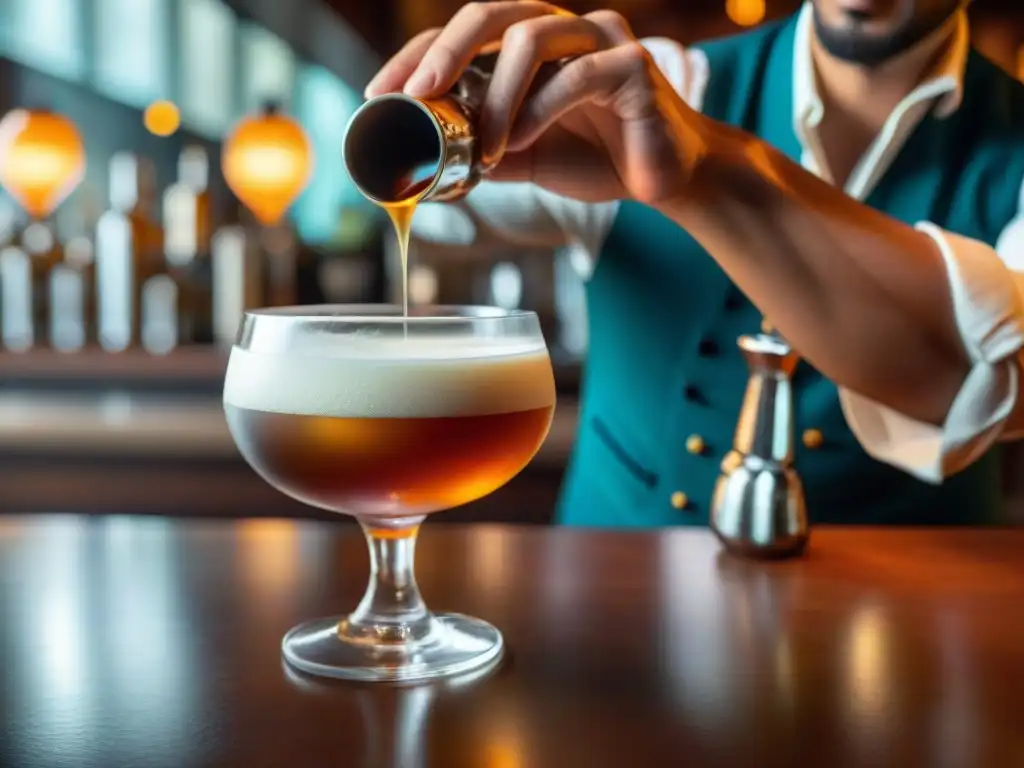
{"type": "Point", "coordinates": [851, 176]}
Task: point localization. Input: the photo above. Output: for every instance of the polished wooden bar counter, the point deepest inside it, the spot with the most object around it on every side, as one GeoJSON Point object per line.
{"type": "Point", "coordinates": [155, 642]}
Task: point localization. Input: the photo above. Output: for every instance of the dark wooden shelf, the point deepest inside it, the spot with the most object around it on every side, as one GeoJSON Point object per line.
{"type": "Point", "coordinates": [197, 367]}
{"type": "Point", "coordinates": [206, 487]}
{"type": "Point", "coordinates": [192, 369]}
{"type": "Point", "coordinates": [153, 453]}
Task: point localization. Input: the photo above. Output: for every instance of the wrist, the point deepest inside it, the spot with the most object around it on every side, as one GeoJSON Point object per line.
{"type": "Point", "coordinates": [723, 167]}
{"type": "Point", "coordinates": [695, 137]}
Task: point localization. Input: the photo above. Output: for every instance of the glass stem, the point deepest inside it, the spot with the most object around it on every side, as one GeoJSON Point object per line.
{"type": "Point", "coordinates": [392, 612]}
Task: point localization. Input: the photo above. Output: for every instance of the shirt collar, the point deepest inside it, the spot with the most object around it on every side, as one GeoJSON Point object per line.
{"type": "Point", "coordinates": [945, 84]}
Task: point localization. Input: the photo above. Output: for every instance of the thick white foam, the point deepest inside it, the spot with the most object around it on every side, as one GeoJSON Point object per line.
{"type": "Point", "coordinates": [395, 379]}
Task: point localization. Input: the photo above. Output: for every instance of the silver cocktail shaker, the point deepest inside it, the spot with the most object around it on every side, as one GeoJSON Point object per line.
{"type": "Point", "coordinates": [398, 148]}
{"type": "Point", "coordinates": [758, 505]}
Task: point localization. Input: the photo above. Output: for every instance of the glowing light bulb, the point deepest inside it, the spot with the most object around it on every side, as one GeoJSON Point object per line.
{"type": "Point", "coordinates": [267, 161]}
{"type": "Point", "coordinates": [161, 118]}
{"type": "Point", "coordinates": [42, 159]}
{"type": "Point", "coordinates": [745, 13]}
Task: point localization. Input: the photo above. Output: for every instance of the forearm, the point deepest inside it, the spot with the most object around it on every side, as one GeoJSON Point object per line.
{"type": "Point", "coordinates": [864, 298]}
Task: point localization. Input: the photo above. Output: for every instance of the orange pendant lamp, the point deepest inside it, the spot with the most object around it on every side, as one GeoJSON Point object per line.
{"type": "Point", "coordinates": [42, 159]}
{"type": "Point", "coordinates": [267, 161]}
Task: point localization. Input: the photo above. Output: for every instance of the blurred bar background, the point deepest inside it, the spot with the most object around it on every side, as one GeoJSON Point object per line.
{"type": "Point", "coordinates": [116, 310]}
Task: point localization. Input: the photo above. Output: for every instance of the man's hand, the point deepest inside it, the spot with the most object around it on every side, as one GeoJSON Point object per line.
{"type": "Point", "coordinates": [606, 126]}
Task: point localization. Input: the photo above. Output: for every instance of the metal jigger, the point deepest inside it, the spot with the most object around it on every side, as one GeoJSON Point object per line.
{"type": "Point", "coordinates": [758, 505]}
{"type": "Point", "coordinates": [394, 143]}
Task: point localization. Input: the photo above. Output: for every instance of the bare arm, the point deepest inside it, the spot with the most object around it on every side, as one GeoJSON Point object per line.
{"type": "Point", "coordinates": [862, 296]}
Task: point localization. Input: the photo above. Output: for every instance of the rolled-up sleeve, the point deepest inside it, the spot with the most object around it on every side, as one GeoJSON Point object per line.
{"type": "Point", "coordinates": [987, 288]}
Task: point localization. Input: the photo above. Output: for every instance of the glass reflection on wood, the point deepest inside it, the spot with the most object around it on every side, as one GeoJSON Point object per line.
{"type": "Point", "coordinates": [396, 720]}
{"type": "Point", "coordinates": [102, 637]}
{"type": "Point", "coordinates": [703, 619]}
{"type": "Point", "coordinates": [271, 558]}
{"type": "Point", "coordinates": [868, 683]}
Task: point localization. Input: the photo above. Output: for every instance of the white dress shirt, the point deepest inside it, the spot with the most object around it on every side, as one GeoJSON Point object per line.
{"type": "Point", "coordinates": [986, 284]}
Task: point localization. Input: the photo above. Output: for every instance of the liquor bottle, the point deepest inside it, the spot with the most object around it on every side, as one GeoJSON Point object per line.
{"type": "Point", "coordinates": [355, 271]}
{"type": "Point", "coordinates": [281, 256]}
{"type": "Point", "coordinates": [40, 243]}
{"type": "Point", "coordinates": [9, 216]}
{"type": "Point", "coordinates": [115, 278]}
{"type": "Point", "coordinates": [238, 268]}
{"type": "Point", "coordinates": [187, 215]}
{"type": "Point", "coordinates": [117, 267]}
{"type": "Point", "coordinates": [73, 290]}
{"type": "Point", "coordinates": [17, 322]}
{"type": "Point", "coordinates": [129, 250]}
{"type": "Point", "coordinates": [66, 300]}
{"type": "Point", "coordinates": [159, 314]}
{"type": "Point", "coordinates": [72, 297]}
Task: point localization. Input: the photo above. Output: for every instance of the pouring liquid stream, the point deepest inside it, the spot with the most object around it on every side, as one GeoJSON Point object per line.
{"type": "Point", "coordinates": [409, 191]}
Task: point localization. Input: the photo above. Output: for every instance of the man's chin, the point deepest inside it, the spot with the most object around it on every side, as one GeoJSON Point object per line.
{"type": "Point", "coordinates": [856, 47]}
{"type": "Point", "coordinates": [872, 42]}
{"type": "Point", "coordinates": [860, 46]}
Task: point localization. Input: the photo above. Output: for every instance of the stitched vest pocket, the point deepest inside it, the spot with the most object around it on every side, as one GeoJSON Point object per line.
{"type": "Point", "coordinates": [618, 451]}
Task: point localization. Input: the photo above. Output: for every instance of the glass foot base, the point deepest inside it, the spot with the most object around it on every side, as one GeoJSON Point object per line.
{"type": "Point", "coordinates": [456, 645]}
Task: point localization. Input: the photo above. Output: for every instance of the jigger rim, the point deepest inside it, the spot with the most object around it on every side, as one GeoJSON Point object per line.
{"type": "Point", "coordinates": [375, 101]}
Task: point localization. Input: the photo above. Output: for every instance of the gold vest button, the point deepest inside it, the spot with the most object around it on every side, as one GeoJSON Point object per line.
{"type": "Point", "coordinates": [813, 439]}
{"type": "Point", "coordinates": [767, 327]}
{"type": "Point", "coordinates": [679, 500]}
{"type": "Point", "coordinates": [731, 462]}
{"type": "Point", "coordinates": [695, 444]}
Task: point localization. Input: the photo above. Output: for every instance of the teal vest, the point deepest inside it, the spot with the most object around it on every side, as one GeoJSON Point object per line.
{"type": "Point", "coordinates": [664, 319]}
